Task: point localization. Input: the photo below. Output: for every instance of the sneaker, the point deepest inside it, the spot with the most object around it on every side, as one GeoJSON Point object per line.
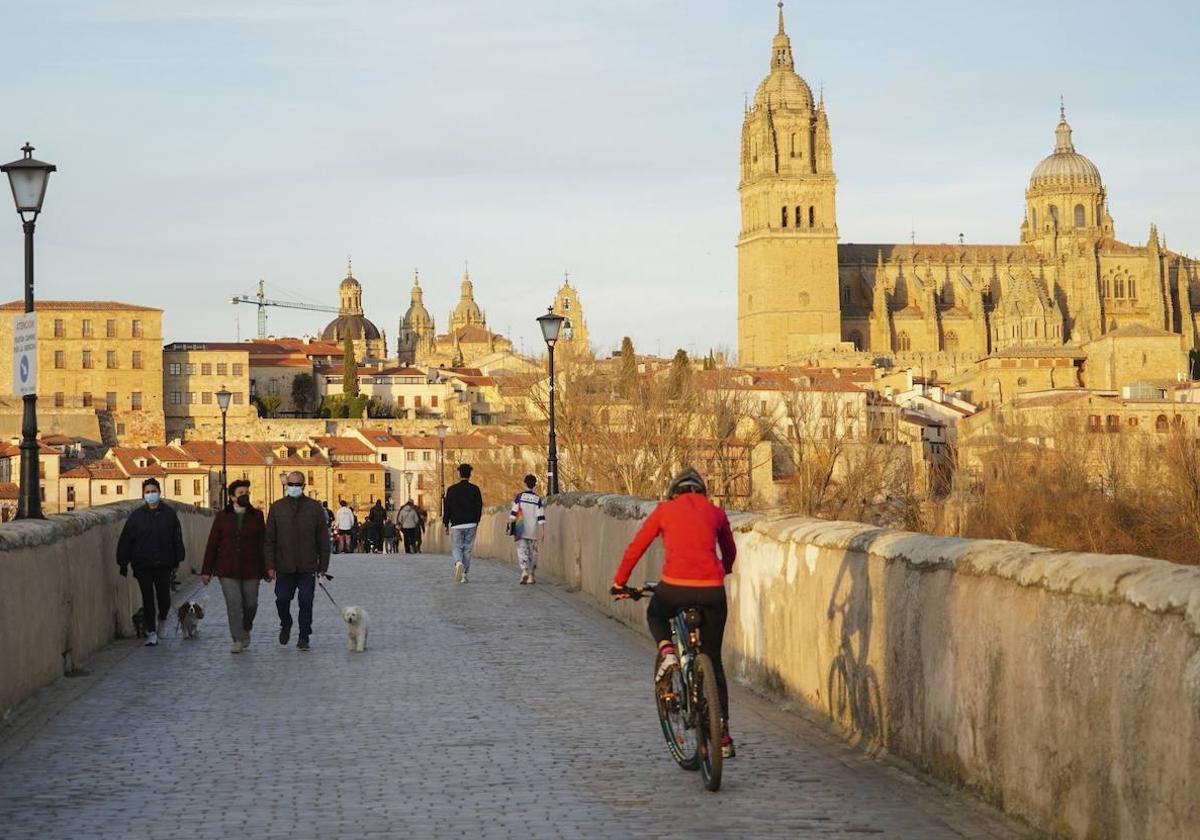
{"type": "Point", "coordinates": [152, 639]}
{"type": "Point", "coordinates": [727, 750]}
{"type": "Point", "coordinates": [303, 644]}
{"type": "Point", "coordinates": [285, 633]}
{"type": "Point", "coordinates": [524, 578]}
{"type": "Point", "coordinates": [666, 662]}
{"type": "Point", "coordinates": [531, 580]}
{"type": "Point", "coordinates": [237, 647]}
{"type": "Point", "coordinates": [460, 574]}
{"type": "Point", "coordinates": [464, 578]}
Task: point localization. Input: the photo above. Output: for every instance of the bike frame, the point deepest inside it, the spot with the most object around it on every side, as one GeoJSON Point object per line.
{"type": "Point", "coordinates": [687, 644]}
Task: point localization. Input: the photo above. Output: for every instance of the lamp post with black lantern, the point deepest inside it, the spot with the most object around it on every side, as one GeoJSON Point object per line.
{"type": "Point", "coordinates": [28, 179]}
{"type": "Point", "coordinates": [551, 324]}
{"type": "Point", "coordinates": [223, 397]}
{"type": "Point", "coordinates": [441, 430]}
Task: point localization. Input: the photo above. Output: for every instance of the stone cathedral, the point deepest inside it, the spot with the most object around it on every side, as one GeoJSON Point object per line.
{"type": "Point", "coordinates": [802, 296]}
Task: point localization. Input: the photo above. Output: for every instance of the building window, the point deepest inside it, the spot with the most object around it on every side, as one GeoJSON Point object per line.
{"type": "Point", "coordinates": [1133, 421]}
{"type": "Point", "coordinates": [1053, 211]}
{"type": "Point", "coordinates": [783, 217]}
{"type": "Point", "coordinates": [190, 368]}
{"type": "Point", "coordinates": [60, 359]}
{"type": "Point", "coordinates": [1119, 284]}
{"type": "Point", "coordinates": [87, 360]}
{"type": "Point", "coordinates": [110, 400]}
{"type": "Point", "coordinates": [195, 487]}
{"type": "Point", "coordinates": [103, 489]}
{"type": "Point", "coordinates": [428, 456]}
{"type": "Point", "coordinates": [137, 360]}
{"type": "Point", "coordinates": [1093, 422]}
{"type": "Point", "coordinates": [110, 328]}
{"type": "Point", "coordinates": [1131, 289]}
{"type": "Point", "coordinates": [178, 487]}
{"type": "Point", "coordinates": [372, 478]}
{"type": "Point", "coordinates": [111, 359]}
{"type": "Point", "coordinates": [400, 401]}
{"type": "Point", "coordinates": [952, 340]}
{"type": "Point", "coordinates": [206, 369]}
{"type": "Point", "coordinates": [176, 398]}
{"type": "Point", "coordinates": [845, 294]}
{"type": "Point", "coordinates": [1080, 216]}
{"type": "Point", "coordinates": [87, 399]}
{"type": "Point", "coordinates": [799, 214]}
{"type": "Point", "coordinates": [1160, 423]}
{"type": "Point", "coordinates": [341, 478]}
{"type": "Point", "coordinates": [410, 455]}
{"type": "Point", "coordinates": [433, 401]}
{"type": "Point", "coordinates": [59, 328]}
{"type": "Point", "coordinates": [191, 397]}
{"type": "Point", "coordinates": [222, 368]}
{"type": "Point", "coordinates": [86, 328]}
{"type": "Point", "coordinates": [417, 401]}
{"type": "Point", "coordinates": [238, 397]}
{"type": "Point", "coordinates": [70, 492]}
{"type": "Point", "coordinates": [121, 487]}
{"type": "Point", "coordinates": [1112, 422]}
{"type": "Point", "coordinates": [137, 328]}
{"type": "Point", "coordinates": [812, 216]}
{"type": "Point", "coordinates": [566, 304]}
{"type": "Point", "coordinates": [903, 342]}
{"type": "Point", "coordinates": [237, 369]}
{"type": "Point", "coordinates": [173, 369]}
{"type": "Point", "coordinates": [310, 478]}
{"type": "Point", "coordinates": [206, 398]}
{"type": "Point", "coordinates": [59, 399]}
{"type": "Point", "coordinates": [273, 387]}
{"type": "Point", "coordinates": [135, 401]}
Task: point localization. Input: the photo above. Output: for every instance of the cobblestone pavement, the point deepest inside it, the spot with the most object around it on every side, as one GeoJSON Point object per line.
{"type": "Point", "coordinates": [479, 711]}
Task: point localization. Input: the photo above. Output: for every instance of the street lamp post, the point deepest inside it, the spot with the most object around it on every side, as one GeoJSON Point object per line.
{"type": "Point", "coordinates": [441, 430]}
{"type": "Point", "coordinates": [270, 459]}
{"type": "Point", "coordinates": [223, 397]}
{"type": "Point", "coordinates": [551, 324]}
{"type": "Point", "coordinates": [28, 179]}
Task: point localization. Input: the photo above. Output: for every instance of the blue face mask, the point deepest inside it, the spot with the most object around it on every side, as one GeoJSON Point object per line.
{"type": "Point", "coordinates": [151, 498]}
{"type": "Point", "coordinates": [295, 492]}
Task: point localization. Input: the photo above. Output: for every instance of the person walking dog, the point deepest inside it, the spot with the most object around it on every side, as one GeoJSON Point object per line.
{"type": "Point", "coordinates": [462, 508]}
{"type": "Point", "coordinates": [152, 542]}
{"type": "Point", "coordinates": [527, 526]}
{"type": "Point", "coordinates": [235, 554]}
{"type": "Point", "coordinates": [296, 551]}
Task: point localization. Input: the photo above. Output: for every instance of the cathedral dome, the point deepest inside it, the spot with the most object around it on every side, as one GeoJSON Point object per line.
{"type": "Point", "coordinates": [783, 87]}
{"type": "Point", "coordinates": [417, 318]}
{"type": "Point", "coordinates": [1065, 166]}
{"type": "Point", "coordinates": [355, 327]}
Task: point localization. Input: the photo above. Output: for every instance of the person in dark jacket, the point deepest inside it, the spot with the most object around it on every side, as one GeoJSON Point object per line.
{"type": "Point", "coordinates": [152, 542]}
{"type": "Point", "coordinates": [462, 508]}
{"type": "Point", "coordinates": [297, 550]}
{"type": "Point", "coordinates": [235, 555]}
{"type": "Point", "coordinates": [375, 519]}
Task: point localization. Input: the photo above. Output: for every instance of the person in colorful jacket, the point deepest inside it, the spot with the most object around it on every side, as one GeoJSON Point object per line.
{"type": "Point", "coordinates": [235, 554]}
{"type": "Point", "coordinates": [527, 524]}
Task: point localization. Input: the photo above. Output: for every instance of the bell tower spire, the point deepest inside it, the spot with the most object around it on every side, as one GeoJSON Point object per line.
{"type": "Point", "coordinates": [781, 47]}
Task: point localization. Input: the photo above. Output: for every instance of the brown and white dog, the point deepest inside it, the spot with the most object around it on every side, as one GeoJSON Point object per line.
{"type": "Point", "coordinates": [356, 628]}
{"type": "Point", "coordinates": [190, 615]}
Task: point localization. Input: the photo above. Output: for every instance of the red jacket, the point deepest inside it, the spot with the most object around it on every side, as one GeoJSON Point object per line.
{"type": "Point", "coordinates": [233, 552]}
{"type": "Point", "coordinates": [691, 527]}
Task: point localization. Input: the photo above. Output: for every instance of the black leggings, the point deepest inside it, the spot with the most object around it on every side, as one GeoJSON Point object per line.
{"type": "Point", "coordinates": [669, 599]}
{"type": "Point", "coordinates": [154, 581]}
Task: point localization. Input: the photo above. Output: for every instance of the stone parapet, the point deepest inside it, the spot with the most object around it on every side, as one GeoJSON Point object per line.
{"type": "Point", "coordinates": [1062, 687]}
{"type": "Point", "coordinates": [63, 597]}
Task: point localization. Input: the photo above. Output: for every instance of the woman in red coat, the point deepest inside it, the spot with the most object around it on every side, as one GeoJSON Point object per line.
{"type": "Point", "coordinates": [235, 555]}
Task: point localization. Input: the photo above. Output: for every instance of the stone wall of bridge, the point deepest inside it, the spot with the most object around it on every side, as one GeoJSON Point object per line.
{"type": "Point", "coordinates": [62, 597]}
{"type": "Point", "coordinates": [1064, 688]}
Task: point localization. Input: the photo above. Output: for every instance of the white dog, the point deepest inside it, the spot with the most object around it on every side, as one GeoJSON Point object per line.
{"type": "Point", "coordinates": [356, 627]}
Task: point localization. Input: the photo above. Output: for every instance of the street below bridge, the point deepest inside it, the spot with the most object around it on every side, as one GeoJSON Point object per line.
{"type": "Point", "coordinates": [483, 710]}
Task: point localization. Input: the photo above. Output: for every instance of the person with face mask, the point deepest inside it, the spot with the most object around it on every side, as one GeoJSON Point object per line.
{"type": "Point", "coordinates": [297, 550]}
{"type": "Point", "coordinates": [152, 543]}
{"type": "Point", "coordinates": [235, 555]}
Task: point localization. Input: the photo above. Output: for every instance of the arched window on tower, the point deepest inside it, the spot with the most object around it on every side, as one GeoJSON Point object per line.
{"type": "Point", "coordinates": [903, 342]}
{"type": "Point", "coordinates": [1131, 289]}
{"type": "Point", "coordinates": [1052, 211]}
{"type": "Point", "coordinates": [845, 295]}
{"type": "Point", "coordinates": [1119, 291]}
{"type": "Point", "coordinates": [951, 341]}
{"type": "Point", "coordinates": [1034, 211]}
{"type": "Point", "coordinates": [812, 217]}
{"type": "Point", "coordinates": [1080, 216]}
{"type": "Point", "coordinates": [1107, 288]}
{"type": "Point", "coordinates": [783, 216]}
{"type": "Point", "coordinates": [799, 214]}
{"type": "Point", "coordinates": [795, 144]}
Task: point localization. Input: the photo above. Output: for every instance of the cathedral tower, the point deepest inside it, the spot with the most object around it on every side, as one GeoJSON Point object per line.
{"type": "Point", "coordinates": [788, 295]}
{"type": "Point", "coordinates": [574, 334]}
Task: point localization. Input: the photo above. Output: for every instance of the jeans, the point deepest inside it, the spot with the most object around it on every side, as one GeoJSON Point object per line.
{"type": "Point", "coordinates": [669, 599]}
{"type": "Point", "coordinates": [461, 541]}
{"type": "Point", "coordinates": [155, 583]}
{"type": "Point", "coordinates": [288, 584]}
{"type": "Point", "coordinates": [241, 604]}
{"type": "Point", "coordinates": [527, 554]}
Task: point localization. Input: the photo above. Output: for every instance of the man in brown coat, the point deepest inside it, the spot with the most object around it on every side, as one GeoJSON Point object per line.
{"type": "Point", "coordinates": [297, 550]}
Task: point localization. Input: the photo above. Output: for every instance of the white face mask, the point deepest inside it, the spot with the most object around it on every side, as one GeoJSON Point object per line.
{"type": "Point", "coordinates": [295, 492]}
{"type": "Point", "coordinates": [151, 498]}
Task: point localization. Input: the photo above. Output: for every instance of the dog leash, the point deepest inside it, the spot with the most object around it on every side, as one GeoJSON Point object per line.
{"type": "Point", "coordinates": [330, 597]}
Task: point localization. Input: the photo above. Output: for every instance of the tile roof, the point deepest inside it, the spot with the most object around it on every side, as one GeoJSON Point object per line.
{"type": "Point", "coordinates": [9, 490]}
{"type": "Point", "coordinates": [68, 305]}
{"type": "Point", "coordinates": [344, 446]}
{"type": "Point", "coordinates": [127, 457]}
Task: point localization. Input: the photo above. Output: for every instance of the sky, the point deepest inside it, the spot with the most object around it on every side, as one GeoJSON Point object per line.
{"type": "Point", "coordinates": [202, 146]}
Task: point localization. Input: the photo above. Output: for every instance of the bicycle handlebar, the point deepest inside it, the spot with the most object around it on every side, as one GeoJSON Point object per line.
{"type": "Point", "coordinates": [632, 593]}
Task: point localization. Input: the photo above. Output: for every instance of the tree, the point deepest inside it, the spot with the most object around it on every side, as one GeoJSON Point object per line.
{"type": "Point", "coordinates": [349, 370]}
{"type": "Point", "coordinates": [268, 404]}
{"type": "Point", "coordinates": [303, 392]}
{"type": "Point", "coordinates": [681, 374]}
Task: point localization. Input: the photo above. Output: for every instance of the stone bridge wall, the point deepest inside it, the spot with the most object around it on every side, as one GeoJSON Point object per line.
{"type": "Point", "coordinates": [62, 597]}
{"type": "Point", "coordinates": [1064, 688]}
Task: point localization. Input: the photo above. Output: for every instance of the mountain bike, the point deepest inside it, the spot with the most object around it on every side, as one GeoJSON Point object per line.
{"type": "Point", "coordinates": [689, 706]}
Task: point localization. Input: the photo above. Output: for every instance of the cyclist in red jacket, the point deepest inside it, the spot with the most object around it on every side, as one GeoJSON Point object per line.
{"type": "Point", "coordinates": [692, 574]}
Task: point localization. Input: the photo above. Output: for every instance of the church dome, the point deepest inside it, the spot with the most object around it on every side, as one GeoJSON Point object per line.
{"type": "Point", "coordinates": [1065, 166]}
{"type": "Point", "coordinates": [467, 311]}
{"type": "Point", "coordinates": [783, 87]}
{"type": "Point", "coordinates": [417, 318]}
{"type": "Point", "coordinates": [357, 327]}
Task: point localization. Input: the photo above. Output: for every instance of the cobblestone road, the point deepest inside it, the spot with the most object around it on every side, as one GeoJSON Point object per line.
{"type": "Point", "coordinates": [479, 711]}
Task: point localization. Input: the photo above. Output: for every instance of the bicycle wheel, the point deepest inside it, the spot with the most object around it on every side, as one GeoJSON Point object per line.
{"type": "Point", "coordinates": [708, 721]}
{"type": "Point", "coordinates": [669, 697]}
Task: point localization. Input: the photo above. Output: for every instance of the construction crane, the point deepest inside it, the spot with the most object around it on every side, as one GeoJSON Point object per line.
{"type": "Point", "coordinates": [262, 302]}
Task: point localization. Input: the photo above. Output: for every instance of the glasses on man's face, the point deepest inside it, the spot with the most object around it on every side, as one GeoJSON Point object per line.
{"type": "Point", "coordinates": [295, 484]}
